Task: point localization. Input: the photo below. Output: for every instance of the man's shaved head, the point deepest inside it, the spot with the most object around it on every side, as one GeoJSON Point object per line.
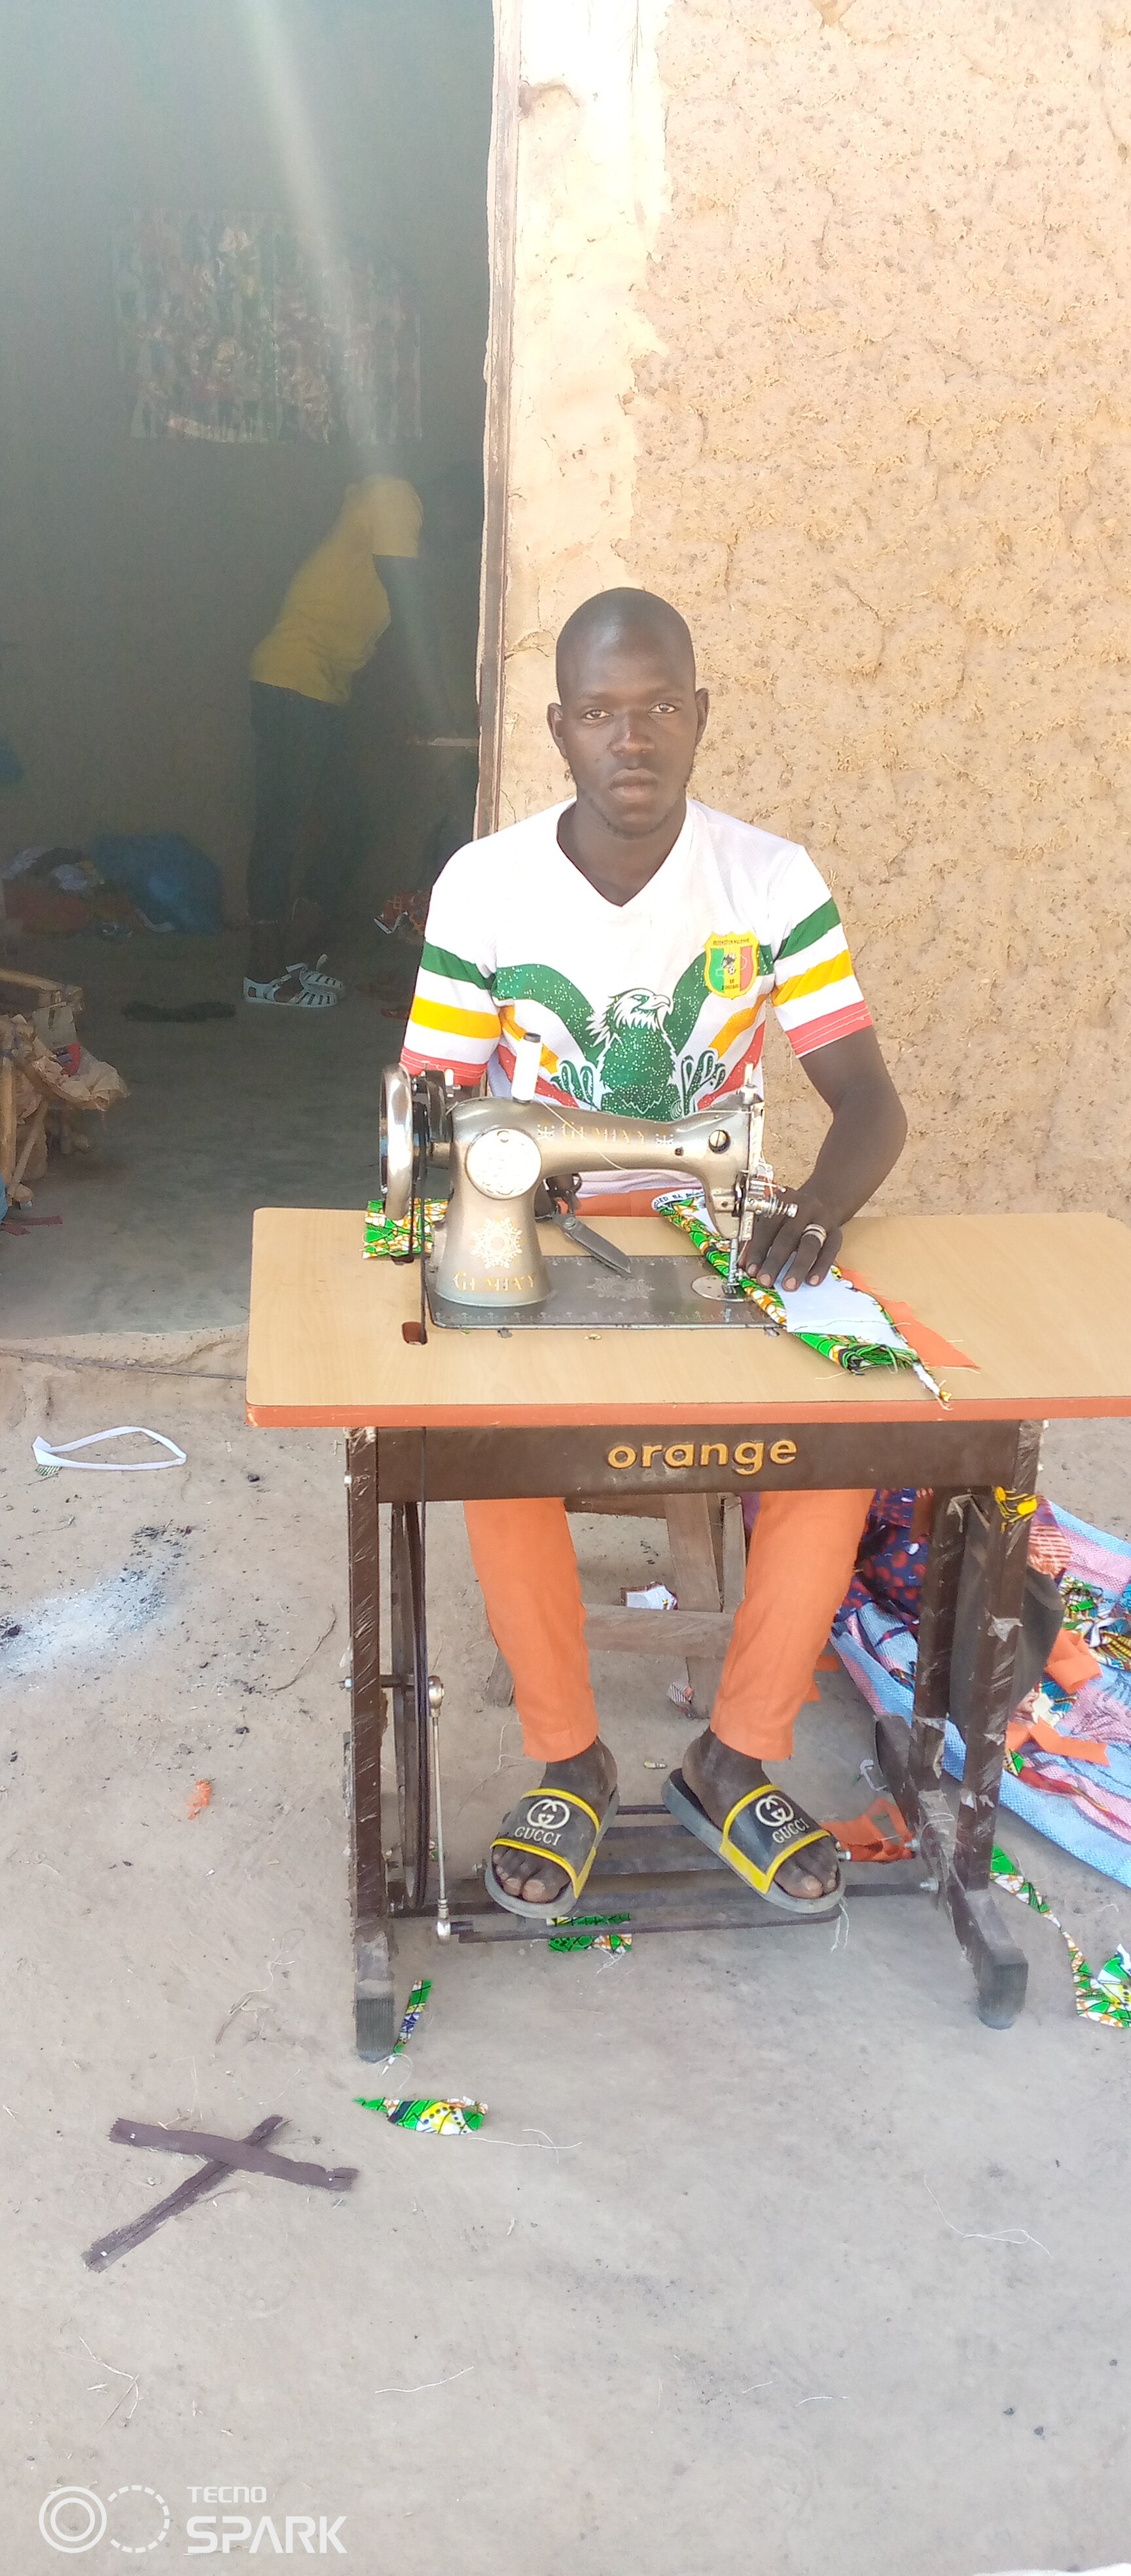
{"type": "Point", "coordinates": [630, 717]}
{"type": "Point", "coordinates": [624, 618]}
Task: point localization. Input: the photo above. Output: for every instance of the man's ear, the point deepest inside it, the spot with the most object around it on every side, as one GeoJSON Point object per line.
{"type": "Point", "coordinates": [703, 702]}
{"type": "Point", "coordinates": [554, 720]}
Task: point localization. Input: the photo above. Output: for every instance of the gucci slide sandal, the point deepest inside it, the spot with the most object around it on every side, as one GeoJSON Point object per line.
{"type": "Point", "coordinates": [762, 1830]}
{"type": "Point", "coordinates": [552, 1825]}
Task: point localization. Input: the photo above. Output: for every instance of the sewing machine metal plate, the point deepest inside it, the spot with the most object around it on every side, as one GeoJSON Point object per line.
{"type": "Point", "coordinates": [662, 1291]}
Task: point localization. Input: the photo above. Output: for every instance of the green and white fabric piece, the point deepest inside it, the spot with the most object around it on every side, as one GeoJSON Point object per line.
{"type": "Point", "coordinates": [1102, 1994]}
{"type": "Point", "coordinates": [854, 1351]}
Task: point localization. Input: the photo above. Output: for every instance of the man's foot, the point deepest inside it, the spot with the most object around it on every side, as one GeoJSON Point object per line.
{"type": "Point", "coordinates": [719, 1778]}
{"type": "Point", "coordinates": [591, 1775]}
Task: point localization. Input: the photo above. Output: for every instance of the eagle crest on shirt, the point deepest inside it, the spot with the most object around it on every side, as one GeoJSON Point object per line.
{"type": "Point", "coordinates": [631, 1053]}
{"type": "Point", "coordinates": [636, 1055]}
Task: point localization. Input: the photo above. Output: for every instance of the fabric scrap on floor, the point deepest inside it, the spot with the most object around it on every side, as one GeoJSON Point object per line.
{"type": "Point", "coordinates": [590, 1932]}
{"type": "Point", "coordinates": [443, 2119]}
{"type": "Point", "coordinates": [412, 2013]}
{"type": "Point", "coordinates": [1102, 1994]}
{"type": "Point", "coordinates": [50, 1458]}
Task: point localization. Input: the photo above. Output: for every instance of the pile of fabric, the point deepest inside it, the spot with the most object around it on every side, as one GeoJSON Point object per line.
{"type": "Point", "coordinates": [1068, 1770]}
{"type": "Point", "coordinates": [126, 881]}
{"type": "Point", "coordinates": [56, 891]}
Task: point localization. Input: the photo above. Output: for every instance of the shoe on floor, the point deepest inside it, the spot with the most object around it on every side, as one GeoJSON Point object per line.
{"type": "Point", "coordinates": [315, 981]}
{"type": "Point", "coordinates": [288, 993]}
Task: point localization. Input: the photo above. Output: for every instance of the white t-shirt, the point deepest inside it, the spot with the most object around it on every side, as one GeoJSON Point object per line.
{"type": "Point", "coordinates": [651, 1008]}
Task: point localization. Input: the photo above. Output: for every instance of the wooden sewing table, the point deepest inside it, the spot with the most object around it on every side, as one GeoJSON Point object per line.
{"type": "Point", "coordinates": [1040, 1306]}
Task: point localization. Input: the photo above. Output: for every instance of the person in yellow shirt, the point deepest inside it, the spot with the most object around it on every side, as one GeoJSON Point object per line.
{"type": "Point", "coordinates": [364, 577]}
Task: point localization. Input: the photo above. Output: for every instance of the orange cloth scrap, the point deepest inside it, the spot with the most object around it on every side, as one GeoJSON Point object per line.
{"type": "Point", "coordinates": [880, 1834]}
{"type": "Point", "coordinates": [1048, 1739]}
{"type": "Point", "coordinates": [932, 1347]}
{"type": "Point", "coordinates": [1071, 1662]}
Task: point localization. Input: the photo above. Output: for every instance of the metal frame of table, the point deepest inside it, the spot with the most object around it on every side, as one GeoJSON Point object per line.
{"type": "Point", "coordinates": [648, 1868]}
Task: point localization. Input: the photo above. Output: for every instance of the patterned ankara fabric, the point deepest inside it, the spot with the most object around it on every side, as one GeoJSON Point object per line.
{"type": "Point", "coordinates": [1102, 1994]}
{"type": "Point", "coordinates": [386, 1237]}
{"type": "Point", "coordinates": [685, 1208]}
{"type": "Point", "coordinates": [890, 1561]}
{"type": "Point", "coordinates": [1085, 1810]}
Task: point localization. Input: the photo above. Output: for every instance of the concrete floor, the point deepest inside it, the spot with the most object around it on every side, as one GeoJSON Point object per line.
{"type": "Point", "coordinates": [271, 1108]}
{"type": "Point", "coordinates": [827, 2276]}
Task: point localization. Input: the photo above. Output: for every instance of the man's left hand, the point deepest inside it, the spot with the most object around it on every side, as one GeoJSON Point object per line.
{"type": "Point", "coordinates": [803, 1245]}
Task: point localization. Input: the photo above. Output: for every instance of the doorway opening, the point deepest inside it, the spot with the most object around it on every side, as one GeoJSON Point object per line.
{"type": "Point", "coordinates": [247, 253]}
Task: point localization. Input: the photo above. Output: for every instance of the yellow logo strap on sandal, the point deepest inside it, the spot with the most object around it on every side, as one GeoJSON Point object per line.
{"type": "Point", "coordinates": [542, 1809]}
{"type": "Point", "coordinates": [775, 1814]}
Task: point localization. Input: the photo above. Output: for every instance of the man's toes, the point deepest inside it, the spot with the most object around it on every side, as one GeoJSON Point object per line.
{"type": "Point", "coordinates": [793, 1880]}
{"type": "Point", "coordinates": [812, 1874]}
{"type": "Point", "coordinates": [509, 1871]}
{"type": "Point", "coordinates": [511, 1875]}
{"type": "Point", "coordinates": [547, 1890]}
{"type": "Point", "coordinates": [823, 1861]}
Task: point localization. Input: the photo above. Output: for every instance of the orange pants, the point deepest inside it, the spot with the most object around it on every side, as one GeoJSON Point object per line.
{"type": "Point", "coordinates": [797, 1573]}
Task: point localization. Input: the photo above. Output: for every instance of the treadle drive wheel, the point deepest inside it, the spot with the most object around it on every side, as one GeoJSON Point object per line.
{"type": "Point", "coordinates": [409, 1659]}
{"type": "Point", "coordinates": [375, 2026]}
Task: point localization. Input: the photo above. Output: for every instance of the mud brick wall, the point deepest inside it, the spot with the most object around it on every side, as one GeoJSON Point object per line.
{"type": "Point", "coordinates": [823, 328]}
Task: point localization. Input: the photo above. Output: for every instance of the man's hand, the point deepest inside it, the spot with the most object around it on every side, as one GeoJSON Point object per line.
{"type": "Point", "coordinates": [865, 1139]}
{"type": "Point", "coordinates": [804, 1243]}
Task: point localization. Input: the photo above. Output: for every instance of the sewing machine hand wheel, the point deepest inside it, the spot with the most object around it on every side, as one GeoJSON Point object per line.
{"type": "Point", "coordinates": [414, 1130]}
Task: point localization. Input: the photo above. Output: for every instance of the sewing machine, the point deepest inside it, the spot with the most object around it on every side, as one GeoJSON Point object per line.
{"type": "Point", "coordinates": [516, 1162]}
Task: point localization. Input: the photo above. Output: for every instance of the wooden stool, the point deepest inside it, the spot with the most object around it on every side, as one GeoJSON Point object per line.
{"type": "Point", "coordinates": [707, 1542]}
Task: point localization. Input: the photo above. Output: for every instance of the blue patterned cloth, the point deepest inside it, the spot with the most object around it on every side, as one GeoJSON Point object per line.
{"type": "Point", "coordinates": [874, 1634]}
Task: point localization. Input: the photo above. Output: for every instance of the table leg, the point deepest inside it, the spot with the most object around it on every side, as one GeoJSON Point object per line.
{"type": "Point", "coordinates": [938, 1603]}
{"type": "Point", "coordinates": [959, 1854]}
{"type": "Point", "coordinates": [991, 1696]}
{"type": "Point", "coordinates": [374, 2004]}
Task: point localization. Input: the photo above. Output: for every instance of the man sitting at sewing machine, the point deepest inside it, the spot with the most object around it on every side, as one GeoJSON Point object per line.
{"type": "Point", "coordinates": [642, 935]}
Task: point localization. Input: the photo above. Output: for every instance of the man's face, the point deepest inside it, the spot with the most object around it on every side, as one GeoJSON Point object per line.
{"type": "Point", "coordinates": [629, 725]}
